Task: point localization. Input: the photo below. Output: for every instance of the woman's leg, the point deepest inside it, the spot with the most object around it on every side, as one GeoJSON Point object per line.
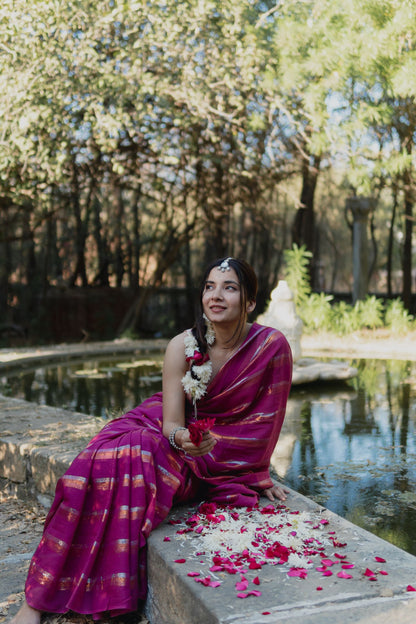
{"type": "Point", "coordinates": [26, 615]}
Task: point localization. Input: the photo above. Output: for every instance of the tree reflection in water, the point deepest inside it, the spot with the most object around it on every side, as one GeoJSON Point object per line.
{"type": "Point", "coordinates": [355, 451]}
{"type": "Point", "coordinates": [351, 448]}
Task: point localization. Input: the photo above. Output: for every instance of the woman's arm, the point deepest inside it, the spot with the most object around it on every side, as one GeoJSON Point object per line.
{"type": "Point", "coordinates": [174, 368]}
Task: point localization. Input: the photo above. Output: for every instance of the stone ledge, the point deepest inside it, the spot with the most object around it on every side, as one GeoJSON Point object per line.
{"type": "Point", "coordinates": [175, 598]}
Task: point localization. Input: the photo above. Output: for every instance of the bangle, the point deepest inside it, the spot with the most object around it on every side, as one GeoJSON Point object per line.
{"type": "Point", "coordinates": [172, 438]}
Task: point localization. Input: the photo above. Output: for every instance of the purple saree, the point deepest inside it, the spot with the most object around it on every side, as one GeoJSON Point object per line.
{"type": "Point", "coordinates": [92, 556]}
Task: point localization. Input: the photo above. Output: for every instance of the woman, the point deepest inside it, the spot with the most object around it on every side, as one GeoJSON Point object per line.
{"type": "Point", "coordinates": [225, 375]}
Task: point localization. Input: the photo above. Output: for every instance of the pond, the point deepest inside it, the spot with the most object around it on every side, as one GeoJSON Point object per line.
{"type": "Point", "coordinates": [349, 447]}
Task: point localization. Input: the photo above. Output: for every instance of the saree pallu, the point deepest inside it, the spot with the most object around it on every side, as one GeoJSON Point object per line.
{"type": "Point", "coordinates": [92, 556]}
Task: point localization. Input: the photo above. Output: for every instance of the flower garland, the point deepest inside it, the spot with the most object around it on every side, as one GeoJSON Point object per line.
{"type": "Point", "coordinates": [196, 380]}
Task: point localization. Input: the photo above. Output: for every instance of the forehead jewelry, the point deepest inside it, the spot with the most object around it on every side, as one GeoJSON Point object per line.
{"type": "Point", "coordinates": [225, 265]}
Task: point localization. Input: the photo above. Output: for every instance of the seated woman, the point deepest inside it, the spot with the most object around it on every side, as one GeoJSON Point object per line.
{"type": "Point", "coordinates": [92, 556]}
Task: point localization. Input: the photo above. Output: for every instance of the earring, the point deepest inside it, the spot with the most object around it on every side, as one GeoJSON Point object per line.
{"type": "Point", "coordinates": [210, 333]}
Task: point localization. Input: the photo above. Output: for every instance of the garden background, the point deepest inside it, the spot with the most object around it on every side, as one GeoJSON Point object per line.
{"type": "Point", "coordinates": [140, 139]}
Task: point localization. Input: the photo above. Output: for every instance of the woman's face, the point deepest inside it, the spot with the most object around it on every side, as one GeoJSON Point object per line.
{"type": "Point", "coordinates": [221, 298]}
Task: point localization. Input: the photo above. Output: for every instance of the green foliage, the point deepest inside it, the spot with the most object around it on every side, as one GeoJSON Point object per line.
{"type": "Point", "coordinates": [370, 312]}
{"type": "Point", "coordinates": [316, 312]}
{"type": "Point", "coordinates": [345, 319]}
{"type": "Point", "coordinates": [397, 317]}
{"type": "Point", "coordinates": [124, 122]}
{"type": "Point", "coordinates": [297, 272]}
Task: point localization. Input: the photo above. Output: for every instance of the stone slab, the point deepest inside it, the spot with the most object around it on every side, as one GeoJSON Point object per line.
{"type": "Point", "coordinates": [175, 597]}
{"type": "Point", "coordinates": [37, 443]}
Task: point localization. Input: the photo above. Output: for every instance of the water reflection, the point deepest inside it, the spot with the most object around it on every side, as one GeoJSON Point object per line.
{"type": "Point", "coordinates": [350, 447]}
{"type": "Point", "coordinates": [354, 452]}
{"type": "Point", "coordinates": [101, 388]}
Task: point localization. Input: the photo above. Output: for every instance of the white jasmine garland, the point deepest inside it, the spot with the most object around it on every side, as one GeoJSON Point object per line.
{"type": "Point", "coordinates": [197, 387]}
{"type": "Point", "coordinates": [196, 380]}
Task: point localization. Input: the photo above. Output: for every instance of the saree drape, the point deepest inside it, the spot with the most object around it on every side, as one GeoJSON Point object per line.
{"type": "Point", "coordinates": [92, 555]}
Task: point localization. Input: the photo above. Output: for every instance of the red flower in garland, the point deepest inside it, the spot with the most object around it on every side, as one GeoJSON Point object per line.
{"type": "Point", "coordinates": [198, 428]}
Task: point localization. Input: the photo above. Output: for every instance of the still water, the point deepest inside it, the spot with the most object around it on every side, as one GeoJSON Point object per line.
{"type": "Point", "coordinates": [351, 448]}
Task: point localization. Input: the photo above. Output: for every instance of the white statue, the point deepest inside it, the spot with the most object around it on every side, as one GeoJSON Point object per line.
{"type": "Point", "coordinates": [281, 314]}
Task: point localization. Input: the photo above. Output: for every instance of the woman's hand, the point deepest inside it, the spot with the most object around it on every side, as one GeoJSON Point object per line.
{"type": "Point", "coordinates": [183, 440]}
{"type": "Point", "coordinates": [276, 491]}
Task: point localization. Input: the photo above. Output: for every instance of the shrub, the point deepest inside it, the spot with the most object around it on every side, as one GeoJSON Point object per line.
{"type": "Point", "coordinates": [297, 273]}
{"type": "Point", "coordinates": [397, 317]}
{"type": "Point", "coordinates": [370, 312]}
{"type": "Point", "coordinates": [316, 312]}
{"type": "Point", "coordinates": [345, 318]}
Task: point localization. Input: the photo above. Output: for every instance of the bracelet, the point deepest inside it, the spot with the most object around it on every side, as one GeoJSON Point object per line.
{"type": "Point", "coordinates": [172, 438]}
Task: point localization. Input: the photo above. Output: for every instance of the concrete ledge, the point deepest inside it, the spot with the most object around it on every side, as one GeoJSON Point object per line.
{"type": "Point", "coordinates": [38, 443]}
{"type": "Point", "coordinates": [175, 598]}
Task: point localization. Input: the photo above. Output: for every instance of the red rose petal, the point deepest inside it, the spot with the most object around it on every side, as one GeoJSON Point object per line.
{"type": "Point", "coordinates": [368, 572]}
{"type": "Point", "coordinates": [410, 588]}
{"type": "Point", "coordinates": [319, 588]}
{"type": "Point", "coordinates": [256, 581]}
{"type": "Point", "coordinates": [180, 560]}
{"type": "Point", "coordinates": [344, 575]}
{"type": "Point", "coordinates": [300, 572]}
{"type": "Point", "coordinates": [193, 574]}
{"type": "Point", "coordinates": [380, 559]}
{"type": "Point", "coordinates": [254, 565]}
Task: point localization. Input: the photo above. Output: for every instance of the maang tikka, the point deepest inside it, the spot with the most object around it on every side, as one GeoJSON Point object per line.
{"type": "Point", "coordinates": [225, 265]}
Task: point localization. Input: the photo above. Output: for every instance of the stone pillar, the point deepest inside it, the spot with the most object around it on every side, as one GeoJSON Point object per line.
{"type": "Point", "coordinates": [360, 208]}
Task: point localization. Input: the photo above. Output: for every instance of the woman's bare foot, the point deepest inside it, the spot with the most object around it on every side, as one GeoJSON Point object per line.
{"type": "Point", "coordinates": [26, 615]}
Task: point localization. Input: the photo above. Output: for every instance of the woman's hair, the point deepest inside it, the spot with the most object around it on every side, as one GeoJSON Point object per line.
{"type": "Point", "coordinates": [248, 293]}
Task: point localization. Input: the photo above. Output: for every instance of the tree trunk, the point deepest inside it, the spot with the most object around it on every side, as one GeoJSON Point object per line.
{"type": "Point", "coordinates": [5, 272]}
{"type": "Point", "coordinates": [102, 278]}
{"type": "Point", "coordinates": [303, 229]}
{"type": "Point", "coordinates": [135, 245]}
{"type": "Point", "coordinates": [390, 244]}
{"type": "Point", "coordinates": [80, 234]}
{"type": "Point", "coordinates": [407, 245]}
{"type": "Point", "coordinates": [119, 260]}
{"type": "Point", "coordinates": [167, 255]}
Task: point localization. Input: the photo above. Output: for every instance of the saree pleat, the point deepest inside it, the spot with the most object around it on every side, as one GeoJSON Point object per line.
{"type": "Point", "coordinates": [92, 555]}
